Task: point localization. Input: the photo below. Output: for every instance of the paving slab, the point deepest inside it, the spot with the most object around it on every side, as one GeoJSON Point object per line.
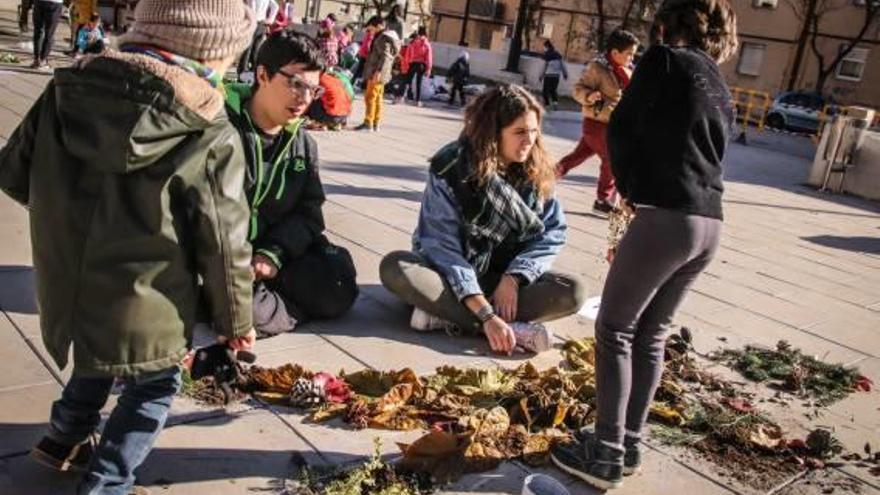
{"type": "Point", "coordinates": [24, 416]}
{"type": "Point", "coordinates": [21, 367]}
{"type": "Point", "coordinates": [21, 475]}
{"type": "Point", "coordinates": [256, 452]}
{"type": "Point", "coordinates": [787, 268]}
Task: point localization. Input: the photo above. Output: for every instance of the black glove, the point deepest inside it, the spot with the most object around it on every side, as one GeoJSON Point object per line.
{"type": "Point", "coordinates": [221, 362]}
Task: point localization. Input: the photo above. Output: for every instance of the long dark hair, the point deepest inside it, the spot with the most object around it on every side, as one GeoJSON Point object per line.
{"type": "Point", "coordinates": [487, 116]}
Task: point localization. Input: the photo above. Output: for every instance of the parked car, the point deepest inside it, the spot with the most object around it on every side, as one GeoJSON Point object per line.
{"type": "Point", "coordinates": [798, 110]}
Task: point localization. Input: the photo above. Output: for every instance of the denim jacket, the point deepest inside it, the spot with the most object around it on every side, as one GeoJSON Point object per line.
{"type": "Point", "coordinates": [438, 239]}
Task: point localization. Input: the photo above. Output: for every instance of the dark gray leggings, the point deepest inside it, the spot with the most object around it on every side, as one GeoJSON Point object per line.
{"type": "Point", "coordinates": [408, 275]}
{"type": "Point", "coordinates": [658, 259]}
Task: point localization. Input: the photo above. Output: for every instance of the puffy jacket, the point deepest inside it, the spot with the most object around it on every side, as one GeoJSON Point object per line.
{"type": "Point", "coordinates": [338, 94]}
{"type": "Point", "coordinates": [134, 181]}
{"type": "Point", "coordinates": [420, 52]}
{"type": "Point", "coordinates": [598, 76]}
{"type": "Point", "coordinates": [383, 50]}
{"type": "Point", "coordinates": [405, 58]}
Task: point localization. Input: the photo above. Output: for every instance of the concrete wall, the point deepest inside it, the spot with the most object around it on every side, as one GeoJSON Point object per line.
{"type": "Point", "coordinates": [864, 178]}
{"type": "Point", "coordinates": [489, 64]}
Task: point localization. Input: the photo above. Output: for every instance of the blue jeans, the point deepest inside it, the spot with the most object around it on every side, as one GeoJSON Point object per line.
{"type": "Point", "coordinates": [130, 431]}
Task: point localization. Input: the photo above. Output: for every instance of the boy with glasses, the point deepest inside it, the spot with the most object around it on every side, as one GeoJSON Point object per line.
{"type": "Point", "coordinates": [299, 274]}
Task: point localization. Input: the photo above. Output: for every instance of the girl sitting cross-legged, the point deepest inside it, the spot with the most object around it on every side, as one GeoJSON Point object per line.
{"type": "Point", "coordinates": [489, 230]}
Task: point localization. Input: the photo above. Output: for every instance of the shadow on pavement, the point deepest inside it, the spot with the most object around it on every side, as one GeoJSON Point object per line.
{"type": "Point", "coordinates": [372, 192]}
{"type": "Point", "coordinates": [870, 245]}
{"type": "Point", "coordinates": [17, 292]}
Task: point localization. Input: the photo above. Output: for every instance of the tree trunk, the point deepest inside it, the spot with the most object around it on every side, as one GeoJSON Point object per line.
{"type": "Point", "coordinates": [627, 14]}
{"type": "Point", "coordinates": [600, 30]}
{"type": "Point", "coordinates": [809, 13]}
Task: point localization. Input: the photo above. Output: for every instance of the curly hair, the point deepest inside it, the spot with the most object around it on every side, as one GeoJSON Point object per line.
{"type": "Point", "coordinates": [487, 116]}
{"type": "Point", "coordinates": [706, 24]}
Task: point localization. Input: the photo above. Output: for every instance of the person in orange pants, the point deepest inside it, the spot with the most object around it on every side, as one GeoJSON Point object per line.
{"type": "Point", "coordinates": [377, 71]}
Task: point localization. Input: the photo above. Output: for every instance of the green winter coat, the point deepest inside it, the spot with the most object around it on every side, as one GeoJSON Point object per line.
{"type": "Point", "coordinates": [134, 181]}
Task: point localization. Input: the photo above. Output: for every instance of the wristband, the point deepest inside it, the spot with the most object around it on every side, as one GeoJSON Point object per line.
{"type": "Point", "coordinates": [486, 313]}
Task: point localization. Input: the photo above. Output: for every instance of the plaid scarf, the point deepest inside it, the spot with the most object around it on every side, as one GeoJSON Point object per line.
{"type": "Point", "coordinates": [504, 210]}
{"type": "Point", "coordinates": [213, 77]}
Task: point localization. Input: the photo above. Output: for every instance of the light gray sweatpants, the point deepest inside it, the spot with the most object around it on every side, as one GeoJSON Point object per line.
{"type": "Point", "coordinates": [658, 259]}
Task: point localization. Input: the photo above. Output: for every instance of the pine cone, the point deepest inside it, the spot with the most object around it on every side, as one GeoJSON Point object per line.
{"type": "Point", "coordinates": [306, 393]}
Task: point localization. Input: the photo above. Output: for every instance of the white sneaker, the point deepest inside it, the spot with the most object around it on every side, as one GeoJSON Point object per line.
{"type": "Point", "coordinates": [422, 321]}
{"type": "Point", "coordinates": [532, 337]}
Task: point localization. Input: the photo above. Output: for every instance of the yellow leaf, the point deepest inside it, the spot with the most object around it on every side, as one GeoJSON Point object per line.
{"type": "Point", "coordinates": [561, 412]}
{"type": "Point", "coordinates": [273, 397]}
{"type": "Point", "coordinates": [667, 414]}
{"type": "Point", "coordinates": [329, 412]}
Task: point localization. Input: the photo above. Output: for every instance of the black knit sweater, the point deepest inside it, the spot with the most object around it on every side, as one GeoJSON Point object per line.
{"type": "Point", "coordinates": [667, 136]}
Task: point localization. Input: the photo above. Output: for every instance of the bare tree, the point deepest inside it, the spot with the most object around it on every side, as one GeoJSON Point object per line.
{"type": "Point", "coordinates": [600, 25]}
{"type": "Point", "coordinates": [628, 13]}
{"type": "Point", "coordinates": [811, 13]}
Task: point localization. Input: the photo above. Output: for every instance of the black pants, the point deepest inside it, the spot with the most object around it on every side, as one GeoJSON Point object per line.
{"type": "Point", "coordinates": [318, 114]}
{"type": "Point", "coordinates": [359, 70]}
{"type": "Point", "coordinates": [249, 57]}
{"type": "Point", "coordinates": [551, 85]}
{"type": "Point", "coordinates": [320, 284]}
{"type": "Point", "coordinates": [46, 16]}
{"type": "Point", "coordinates": [417, 71]}
{"type": "Point", "coordinates": [23, 13]}
{"type": "Point", "coordinates": [457, 87]}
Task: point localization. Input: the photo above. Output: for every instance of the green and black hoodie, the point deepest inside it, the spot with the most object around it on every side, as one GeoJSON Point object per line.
{"type": "Point", "coordinates": [285, 191]}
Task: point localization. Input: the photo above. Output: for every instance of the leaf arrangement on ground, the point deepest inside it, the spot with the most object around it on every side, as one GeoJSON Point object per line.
{"type": "Point", "coordinates": [477, 418]}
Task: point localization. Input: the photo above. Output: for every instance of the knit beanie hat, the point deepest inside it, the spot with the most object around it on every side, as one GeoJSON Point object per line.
{"type": "Point", "coordinates": [197, 29]}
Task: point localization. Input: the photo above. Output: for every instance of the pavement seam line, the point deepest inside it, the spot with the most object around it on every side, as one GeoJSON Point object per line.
{"type": "Point", "coordinates": [33, 348]}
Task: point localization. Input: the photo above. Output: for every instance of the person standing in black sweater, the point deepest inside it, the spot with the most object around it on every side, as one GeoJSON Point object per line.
{"type": "Point", "coordinates": [666, 140]}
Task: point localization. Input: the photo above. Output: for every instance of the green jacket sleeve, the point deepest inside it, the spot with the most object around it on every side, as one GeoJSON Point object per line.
{"type": "Point", "coordinates": [16, 156]}
{"type": "Point", "coordinates": [222, 251]}
{"type": "Point", "coordinates": [299, 229]}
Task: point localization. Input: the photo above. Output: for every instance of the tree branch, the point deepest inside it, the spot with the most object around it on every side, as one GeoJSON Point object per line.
{"type": "Point", "coordinates": [871, 14]}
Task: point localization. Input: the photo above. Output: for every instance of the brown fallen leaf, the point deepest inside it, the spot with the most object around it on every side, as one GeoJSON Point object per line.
{"type": "Point", "coordinates": [329, 412]}
{"type": "Point", "coordinates": [766, 436]}
{"type": "Point", "coordinates": [439, 453]}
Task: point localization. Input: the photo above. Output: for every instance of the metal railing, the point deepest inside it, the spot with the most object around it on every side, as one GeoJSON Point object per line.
{"type": "Point", "coordinates": [751, 106]}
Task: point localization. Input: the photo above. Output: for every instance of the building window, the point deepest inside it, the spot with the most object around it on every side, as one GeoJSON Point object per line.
{"type": "Point", "coordinates": [486, 37]}
{"type": "Point", "coordinates": [852, 66]}
{"type": "Point", "coordinates": [751, 58]}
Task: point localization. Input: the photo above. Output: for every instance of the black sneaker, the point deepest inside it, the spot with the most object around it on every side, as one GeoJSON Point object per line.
{"type": "Point", "coordinates": [597, 464]}
{"type": "Point", "coordinates": [632, 456]}
{"type": "Point", "coordinates": [63, 457]}
{"type": "Point", "coordinates": [602, 208]}
{"type": "Point", "coordinates": [364, 127]}
{"type": "Point", "coordinates": [632, 453]}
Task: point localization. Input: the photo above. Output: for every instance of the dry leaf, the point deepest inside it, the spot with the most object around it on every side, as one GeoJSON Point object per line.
{"type": "Point", "coordinates": [667, 414]}
{"type": "Point", "coordinates": [276, 398]}
{"type": "Point", "coordinates": [329, 412]}
{"type": "Point", "coordinates": [561, 412]}
{"type": "Point", "coordinates": [278, 380]}
{"type": "Point", "coordinates": [374, 383]}
{"type": "Point", "coordinates": [439, 453]}
{"type": "Point", "coordinates": [394, 399]}
{"type": "Point", "coordinates": [766, 436]}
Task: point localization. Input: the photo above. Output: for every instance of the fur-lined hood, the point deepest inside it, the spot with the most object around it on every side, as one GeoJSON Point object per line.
{"type": "Point", "coordinates": [190, 90]}
{"type": "Point", "coordinates": [122, 112]}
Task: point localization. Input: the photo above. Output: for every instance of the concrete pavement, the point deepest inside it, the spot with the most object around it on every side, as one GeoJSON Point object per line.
{"type": "Point", "coordinates": [794, 264]}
